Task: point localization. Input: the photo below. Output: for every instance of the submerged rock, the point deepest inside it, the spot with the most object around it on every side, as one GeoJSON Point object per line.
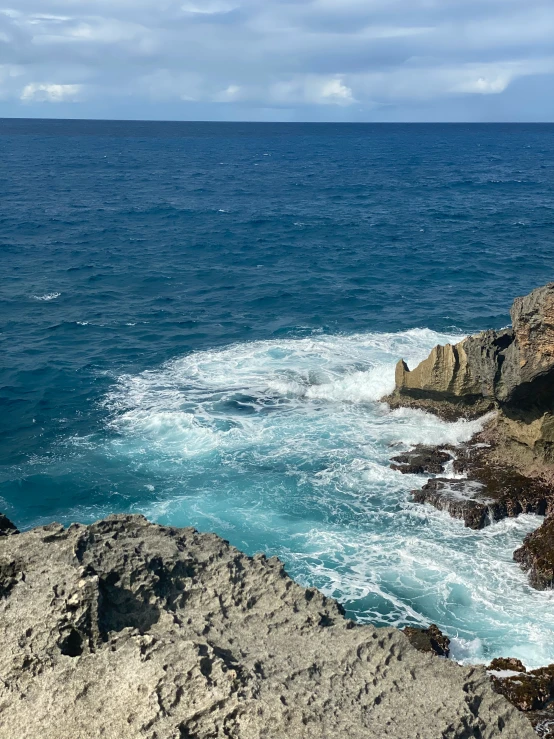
{"type": "Point", "coordinates": [128, 629]}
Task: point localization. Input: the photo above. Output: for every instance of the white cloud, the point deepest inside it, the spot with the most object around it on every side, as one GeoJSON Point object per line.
{"type": "Point", "coordinates": [51, 93]}
{"type": "Point", "coordinates": [334, 57]}
{"type": "Point", "coordinates": [312, 89]}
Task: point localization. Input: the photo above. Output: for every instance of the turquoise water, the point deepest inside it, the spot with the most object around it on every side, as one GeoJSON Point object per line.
{"type": "Point", "coordinates": [198, 321]}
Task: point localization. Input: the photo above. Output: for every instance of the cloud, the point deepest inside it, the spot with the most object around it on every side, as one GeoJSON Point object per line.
{"type": "Point", "coordinates": [312, 58]}
{"type": "Point", "coordinates": [50, 93]}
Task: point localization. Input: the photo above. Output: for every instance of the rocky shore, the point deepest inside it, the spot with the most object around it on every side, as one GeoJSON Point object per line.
{"type": "Point", "coordinates": [125, 629]}
{"type": "Point", "coordinates": [508, 468]}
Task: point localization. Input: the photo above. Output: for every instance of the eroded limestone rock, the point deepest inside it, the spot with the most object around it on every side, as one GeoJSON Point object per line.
{"type": "Point", "coordinates": [125, 629]}
{"type": "Point", "coordinates": [511, 370]}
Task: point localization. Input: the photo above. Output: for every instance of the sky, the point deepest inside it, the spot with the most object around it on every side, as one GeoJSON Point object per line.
{"type": "Point", "coordinates": [278, 60]}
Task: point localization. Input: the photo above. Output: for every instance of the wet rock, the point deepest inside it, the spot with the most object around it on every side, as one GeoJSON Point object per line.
{"type": "Point", "coordinates": [428, 640]}
{"type": "Point", "coordinates": [536, 555]}
{"type": "Point", "coordinates": [463, 499]}
{"type": "Point", "coordinates": [127, 629]}
{"type": "Point", "coordinates": [507, 663]}
{"type": "Point", "coordinates": [422, 460]}
{"type": "Point", "coordinates": [488, 493]}
{"type": "Point", "coordinates": [528, 691]}
{"type": "Point", "coordinates": [7, 528]}
{"type": "Point", "coordinates": [531, 692]}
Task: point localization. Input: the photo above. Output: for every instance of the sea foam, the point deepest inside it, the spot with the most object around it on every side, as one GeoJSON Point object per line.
{"type": "Point", "coordinates": [283, 446]}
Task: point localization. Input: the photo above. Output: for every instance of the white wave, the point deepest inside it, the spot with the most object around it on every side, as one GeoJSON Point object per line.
{"type": "Point", "coordinates": [47, 296]}
{"type": "Point", "coordinates": [283, 446]}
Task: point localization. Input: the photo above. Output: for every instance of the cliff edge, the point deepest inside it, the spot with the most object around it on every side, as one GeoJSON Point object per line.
{"type": "Point", "coordinates": [126, 629]}
{"type": "Point", "coordinates": [510, 370]}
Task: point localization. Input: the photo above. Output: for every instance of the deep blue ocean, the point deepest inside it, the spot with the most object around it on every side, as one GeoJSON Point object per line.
{"type": "Point", "coordinates": [197, 322]}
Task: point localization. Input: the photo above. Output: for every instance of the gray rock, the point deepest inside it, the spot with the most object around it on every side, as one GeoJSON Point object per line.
{"type": "Point", "coordinates": [127, 629]}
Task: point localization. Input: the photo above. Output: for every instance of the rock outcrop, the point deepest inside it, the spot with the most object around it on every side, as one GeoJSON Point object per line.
{"type": "Point", "coordinates": [512, 370]}
{"type": "Point", "coordinates": [126, 629]}
{"type": "Point", "coordinates": [430, 640]}
{"type": "Point", "coordinates": [536, 555]}
{"type": "Point", "coordinates": [489, 491]}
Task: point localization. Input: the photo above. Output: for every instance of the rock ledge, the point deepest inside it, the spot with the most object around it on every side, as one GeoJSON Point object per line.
{"type": "Point", "coordinates": [126, 629]}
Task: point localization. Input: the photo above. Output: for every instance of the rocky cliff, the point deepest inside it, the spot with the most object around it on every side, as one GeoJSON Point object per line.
{"type": "Point", "coordinates": [509, 468]}
{"type": "Point", "coordinates": [511, 370]}
{"type": "Point", "coordinates": [125, 629]}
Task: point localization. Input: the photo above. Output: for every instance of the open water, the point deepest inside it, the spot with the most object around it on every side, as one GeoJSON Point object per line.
{"type": "Point", "coordinates": [197, 322]}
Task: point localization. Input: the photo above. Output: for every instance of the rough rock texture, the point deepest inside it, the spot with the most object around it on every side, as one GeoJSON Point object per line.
{"type": "Point", "coordinates": [428, 640]}
{"type": "Point", "coordinates": [127, 629]}
{"type": "Point", "coordinates": [422, 460]}
{"type": "Point", "coordinates": [536, 555]}
{"type": "Point", "coordinates": [489, 492]}
{"type": "Point", "coordinates": [512, 370]}
{"type": "Point", "coordinates": [507, 663]}
{"type": "Point", "coordinates": [529, 691]}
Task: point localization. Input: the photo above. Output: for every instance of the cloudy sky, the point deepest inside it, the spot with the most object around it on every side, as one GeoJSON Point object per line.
{"type": "Point", "coordinates": [352, 60]}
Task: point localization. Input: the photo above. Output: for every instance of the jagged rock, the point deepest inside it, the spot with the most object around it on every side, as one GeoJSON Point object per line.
{"type": "Point", "coordinates": [488, 493]}
{"type": "Point", "coordinates": [528, 691]}
{"type": "Point", "coordinates": [507, 663]}
{"type": "Point", "coordinates": [511, 370]}
{"type": "Point", "coordinates": [422, 460]}
{"type": "Point", "coordinates": [428, 640]}
{"type": "Point", "coordinates": [127, 629]}
{"type": "Point", "coordinates": [464, 499]}
{"type": "Point", "coordinates": [536, 555]}
{"type": "Point", "coordinates": [7, 528]}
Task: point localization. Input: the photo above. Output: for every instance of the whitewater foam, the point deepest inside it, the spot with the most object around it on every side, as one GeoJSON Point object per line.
{"type": "Point", "coordinates": [283, 446]}
{"type": "Point", "coordinates": [47, 296]}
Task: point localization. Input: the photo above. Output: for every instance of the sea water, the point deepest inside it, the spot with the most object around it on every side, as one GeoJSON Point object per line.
{"type": "Point", "coordinates": [199, 322]}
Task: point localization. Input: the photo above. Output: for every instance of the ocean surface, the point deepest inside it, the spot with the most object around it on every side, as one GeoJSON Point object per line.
{"type": "Point", "coordinates": [197, 322]}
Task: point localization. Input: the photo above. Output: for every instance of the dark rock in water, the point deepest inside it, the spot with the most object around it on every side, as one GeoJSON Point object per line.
{"type": "Point", "coordinates": [528, 691]}
{"type": "Point", "coordinates": [488, 493]}
{"type": "Point", "coordinates": [429, 640]}
{"type": "Point", "coordinates": [127, 629]}
{"type": "Point", "coordinates": [6, 526]}
{"type": "Point", "coordinates": [422, 460]}
{"type": "Point", "coordinates": [536, 555]}
{"type": "Point", "coordinates": [531, 692]}
{"type": "Point", "coordinates": [464, 499]}
{"type": "Point", "coordinates": [507, 663]}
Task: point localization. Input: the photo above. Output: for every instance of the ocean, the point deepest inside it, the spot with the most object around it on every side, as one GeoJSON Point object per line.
{"type": "Point", "coordinates": [198, 320]}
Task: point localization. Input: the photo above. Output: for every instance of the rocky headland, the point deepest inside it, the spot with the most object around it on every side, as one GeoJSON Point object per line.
{"type": "Point", "coordinates": [125, 629]}
{"type": "Point", "coordinates": [508, 468]}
